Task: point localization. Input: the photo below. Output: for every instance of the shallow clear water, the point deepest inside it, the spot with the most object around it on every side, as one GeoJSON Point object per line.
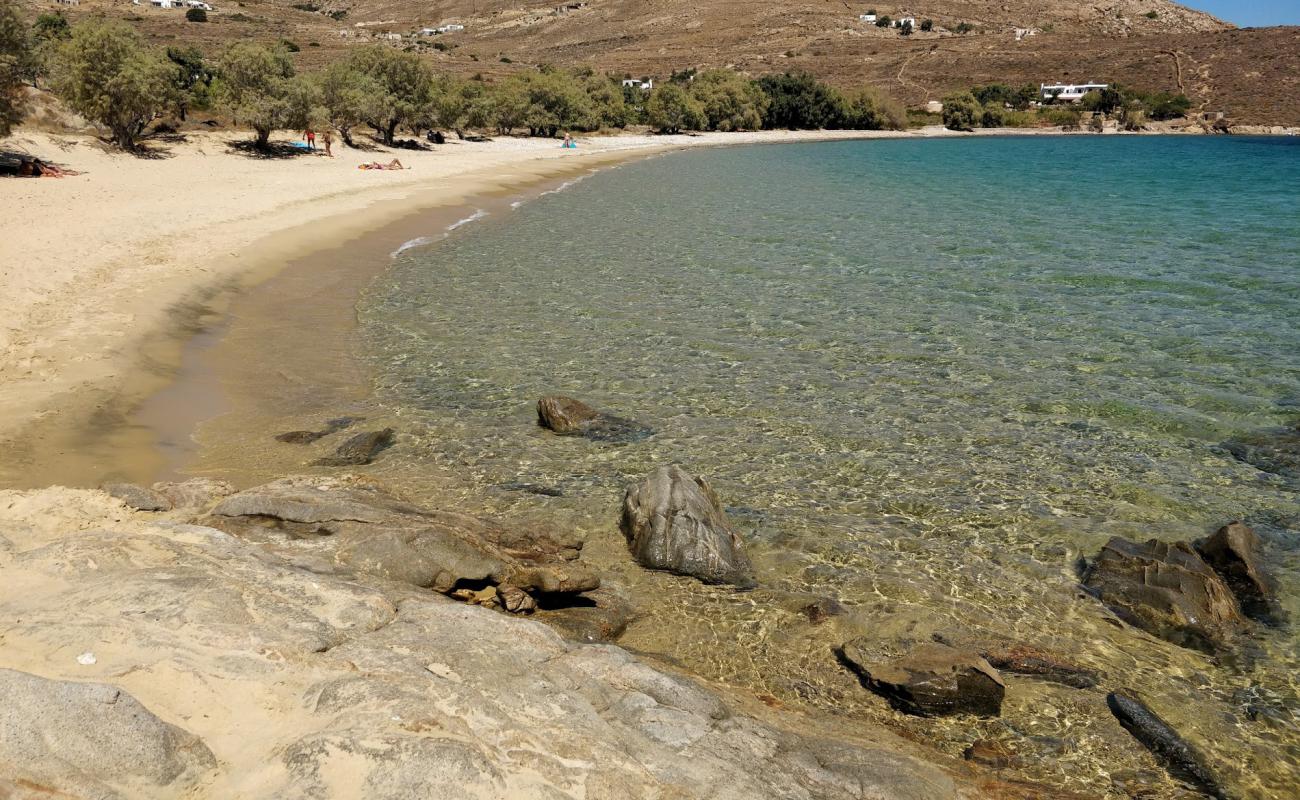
{"type": "Point", "coordinates": [925, 376]}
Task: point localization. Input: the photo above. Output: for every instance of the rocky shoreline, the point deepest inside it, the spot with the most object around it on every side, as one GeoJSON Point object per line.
{"type": "Point", "coordinates": [298, 640]}
{"type": "Point", "coordinates": [353, 640]}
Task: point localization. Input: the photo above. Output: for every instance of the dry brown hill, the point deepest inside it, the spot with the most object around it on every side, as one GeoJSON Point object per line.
{"type": "Point", "coordinates": [1254, 75]}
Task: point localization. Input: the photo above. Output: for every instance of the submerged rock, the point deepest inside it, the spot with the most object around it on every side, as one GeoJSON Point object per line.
{"type": "Point", "coordinates": [932, 680]}
{"type": "Point", "coordinates": [1233, 552]}
{"type": "Point", "coordinates": [1167, 590]}
{"type": "Point", "coordinates": [307, 437]}
{"type": "Point", "coordinates": [673, 521]}
{"type": "Point", "coordinates": [1175, 754]}
{"type": "Point", "coordinates": [358, 450]}
{"type": "Point", "coordinates": [1276, 450]}
{"type": "Point", "coordinates": [355, 526]}
{"type": "Point", "coordinates": [600, 615]}
{"type": "Point", "coordinates": [138, 497]}
{"type": "Point", "coordinates": [91, 739]}
{"type": "Point", "coordinates": [569, 417]}
{"type": "Point", "coordinates": [1019, 659]}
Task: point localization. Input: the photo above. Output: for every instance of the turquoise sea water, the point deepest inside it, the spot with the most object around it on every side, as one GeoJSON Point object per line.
{"type": "Point", "coordinates": [926, 377]}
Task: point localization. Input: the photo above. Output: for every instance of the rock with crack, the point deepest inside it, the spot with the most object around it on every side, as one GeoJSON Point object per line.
{"type": "Point", "coordinates": [360, 527]}
{"type": "Point", "coordinates": [359, 449]}
{"type": "Point", "coordinates": [673, 521]}
{"type": "Point", "coordinates": [92, 739]}
{"type": "Point", "coordinates": [932, 680]}
{"type": "Point", "coordinates": [1233, 552]}
{"type": "Point", "coordinates": [569, 417]}
{"type": "Point", "coordinates": [1167, 590]}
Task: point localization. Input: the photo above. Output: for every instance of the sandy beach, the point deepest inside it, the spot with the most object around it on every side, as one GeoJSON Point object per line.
{"type": "Point", "coordinates": [102, 274]}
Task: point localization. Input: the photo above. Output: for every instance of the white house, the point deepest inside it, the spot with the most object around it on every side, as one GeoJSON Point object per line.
{"type": "Point", "coordinates": [902, 21]}
{"type": "Point", "coordinates": [198, 4]}
{"type": "Point", "coordinates": [167, 3]}
{"type": "Point", "coordinates": [645, 85]}
{"type": "Point", "coordinates": [68, 2]}
{"type": "Point", "coordinates": [867, 18]}
{"type": "Point", "coordinates": [1068, 92]}
{"type": "Point", "coordinates": [450, 28]}
{"type": "Point", "coordinates": [1023, 33]}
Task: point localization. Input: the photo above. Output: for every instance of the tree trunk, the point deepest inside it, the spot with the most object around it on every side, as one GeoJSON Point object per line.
{"type": "Point", "coordinates": [124, 137]}
{"type": "Point", "coordinates": [345, 132]}
{"type": "Point", "coordinates": [263, 138]}
{"type": "Point", "coordinates": [389, 132]}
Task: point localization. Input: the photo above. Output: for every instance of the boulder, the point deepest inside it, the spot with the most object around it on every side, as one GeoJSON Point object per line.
{"type": "Point", "coordinates": [823, 609]}
{"type": "Point", "coordinates": [92, 740]}
{"type": "Point", "coordinates": [1167, 590]}
{"type": "Point", "coordinates": [1233, 552]}
{"type": "Point", "coordinates": [358, 450]}
{"type": "Point", "coordinates": [600, 615]}
{"type": "Point", "coordinates": [673, 521]}
{"type": "Point", "coordinates": [569, 417]}
{"type": "Point", "coordinates": [932, 680]}
{"type": "Point", "coordinates": [138, 497]}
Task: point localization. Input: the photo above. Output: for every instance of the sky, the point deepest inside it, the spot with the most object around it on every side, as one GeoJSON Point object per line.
{"type": "Point", "coordinates": [1251, 13]}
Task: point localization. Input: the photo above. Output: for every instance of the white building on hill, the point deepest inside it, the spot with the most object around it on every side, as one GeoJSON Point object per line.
{"type": "Point", "coordinates": [1068, 92]}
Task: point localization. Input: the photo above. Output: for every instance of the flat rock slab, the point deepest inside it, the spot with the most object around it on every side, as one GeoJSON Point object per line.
{"type": "Point", "coordinates": [1168, 590]}
{"type": "Point", "coordinates": [932, 680]}
{"type": "Point", "coordinates": [673, 521]}
{"type": "Point", "coordinates": [307, 437]}
{"type": "Point", "coordinates": [91, 738]}
{"type": "Point", "coordinates": [138, 497]}
{"type": "Point", "coordinates": [358, 526]}
{"type": "Point", "coordinates": [566, 416]}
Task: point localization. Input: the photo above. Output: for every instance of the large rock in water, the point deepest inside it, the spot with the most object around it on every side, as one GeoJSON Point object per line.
{"type": "Point", "coordinates": [932, 680]}
{"type": "Point", "coordinates": [674, 522]}
{"type": "Point", "coordinates": [91, 738]}
{"type": "Point", "coordinates": [569, 417]}
{"type": "Point", "coordinates": [348, 525]}
{"type": "Point", "coordinates": [1167, 590]}
{"type": "Point", "coordinates": [1233, 552]}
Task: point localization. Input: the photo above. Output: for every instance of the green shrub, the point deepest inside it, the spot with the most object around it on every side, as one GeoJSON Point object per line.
{"type": "Point", "coordinates": [196, 15]}
{"type": "Point", "coordinates": [290, 45]}
{"type": "Point", "coordinates": [927, 25]}
{"type": "Point", "coordinates": [962, 112]}
{"type": "Point", "coordinates": [106, 73]}
{"type": "Point", "coordinates": [869, 109]}
{"type": "Point", "coordinates": [1067, 118]}
{"type": "Point", "coordinates": [905, 29]}
{"type": "Point", "coordinates": [964, 27]}
{"type": "Point", "coordinates": [883, 21]}
{"type": "Point", "coordinates": [256, 86]}
{"type": "Point", "coordinates": [1152, 15]}
{"type": "Point", "coordinates": [15, 64]}
{"type": "Point", "coordinates": [671, 109]}
{"type": "Point", "coordinates": [729, 100]}
{"type": "Point", "coordinates": [799, 100]}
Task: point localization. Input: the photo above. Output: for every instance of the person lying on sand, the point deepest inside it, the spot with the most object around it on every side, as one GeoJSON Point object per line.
{"type": "Point", "coordinates": [36, 168]}
{"type": "Point", "coordinates": [394, 164]}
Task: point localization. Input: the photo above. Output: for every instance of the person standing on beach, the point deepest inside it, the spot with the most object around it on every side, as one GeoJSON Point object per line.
{"type": "Point", "coordinates": [310, 136]}
{"type": "Point", "coordinates": [328, 138]}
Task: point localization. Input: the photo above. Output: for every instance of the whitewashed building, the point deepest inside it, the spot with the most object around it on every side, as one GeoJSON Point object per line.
{"type": "Point", "coordinates": [902, 21]}
{"type": "Point", "coordinates": [1068, 92]}
{"type": "Point", "coordinates": [871, 18]}
{"type": "Point", "coordinates": [645, 85]}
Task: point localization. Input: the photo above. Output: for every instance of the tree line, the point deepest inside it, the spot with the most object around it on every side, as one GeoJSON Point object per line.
{"type": "Point", "coordinates": [106, 72]}
{"type": "Point", "coordinates": [997, 105]}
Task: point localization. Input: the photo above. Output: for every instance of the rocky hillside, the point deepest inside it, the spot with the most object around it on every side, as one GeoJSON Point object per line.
{"type": "Point", "coordinates": [1151, 44]}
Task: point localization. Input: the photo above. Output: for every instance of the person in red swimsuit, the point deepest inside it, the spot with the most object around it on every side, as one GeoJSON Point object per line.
{"type": "Point", "coordinates": [310, 136]}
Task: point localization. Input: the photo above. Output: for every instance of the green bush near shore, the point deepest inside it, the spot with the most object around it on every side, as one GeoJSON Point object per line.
{"type": "Point", "coordinates": [15, 65]}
